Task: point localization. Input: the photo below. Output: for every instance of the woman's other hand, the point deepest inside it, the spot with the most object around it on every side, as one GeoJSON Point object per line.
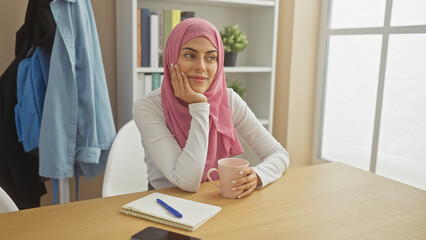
{"type": "Point", "coordinates": [181, 87]}
{"type": "Point", "coordinates": [246, 183]}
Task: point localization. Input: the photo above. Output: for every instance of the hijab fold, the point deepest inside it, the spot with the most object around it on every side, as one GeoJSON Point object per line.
{"type": "Point", "coordinates": [223, 140]}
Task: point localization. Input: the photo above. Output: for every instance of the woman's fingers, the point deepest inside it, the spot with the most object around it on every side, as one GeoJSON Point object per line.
{"type": "Point", "coordinates": [185, 82]}
{"type": "Point", "coordinates": [247, 183]}
{"type": "Point", "coordinates": [179, 77]}
{"type": "Point", "coordinates": [174, 79]}
{"type": "Point", "coordinates": [182, 88]}
{"type": "Point", "coordinates": [246, 171]}
{"type": "Point", "coordinates": [250, 183]}
{"type": "Point", "coordinates": [246, 192]}
{"type": "Point", "coordinates": [247, 175]}
{"type": "Point", "coordinates": [193, 96]}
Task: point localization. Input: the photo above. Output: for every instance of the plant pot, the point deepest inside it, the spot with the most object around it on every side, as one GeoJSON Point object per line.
{"type": "Point", "coordinates": [230, 59]}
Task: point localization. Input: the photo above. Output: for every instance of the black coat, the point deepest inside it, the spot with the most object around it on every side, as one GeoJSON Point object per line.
{"type": "Point", "coordinates": [19, 170]}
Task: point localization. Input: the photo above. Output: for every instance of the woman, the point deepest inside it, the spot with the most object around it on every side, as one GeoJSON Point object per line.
{"type": "Point", "coordinates": [193, 121]}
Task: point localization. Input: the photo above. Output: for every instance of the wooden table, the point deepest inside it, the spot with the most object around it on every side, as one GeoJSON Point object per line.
{"type": "Point", "coordinates": [327, 201]}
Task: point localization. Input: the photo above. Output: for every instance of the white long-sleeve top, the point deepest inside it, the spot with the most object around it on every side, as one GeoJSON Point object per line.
{"type": "Point", "coordinates": [169, 165]}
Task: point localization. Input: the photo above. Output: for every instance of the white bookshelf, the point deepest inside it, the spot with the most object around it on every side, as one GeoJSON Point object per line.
{"type": "Point", "coordinates": [255, 67]}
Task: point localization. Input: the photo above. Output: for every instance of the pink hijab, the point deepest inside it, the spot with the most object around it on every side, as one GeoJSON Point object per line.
{"type": "Point", "coordinates": [223, 140]}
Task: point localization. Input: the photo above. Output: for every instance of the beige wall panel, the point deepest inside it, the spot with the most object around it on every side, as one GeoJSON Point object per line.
{"type": "Point", "coordinates": [282, 79]}
{"type": "Point", "coordinates": [302, 83]}
{"type": "Point", "coordinates": [12, 16]}
{"type": "Point", "coordinates": [296, 74]}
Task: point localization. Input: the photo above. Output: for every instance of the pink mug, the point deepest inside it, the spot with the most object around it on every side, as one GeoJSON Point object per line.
{"type": "Point", "coordinates": [229, 169]}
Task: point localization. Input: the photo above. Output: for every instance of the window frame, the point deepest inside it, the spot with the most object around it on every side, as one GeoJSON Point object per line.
{"type": "Point", "coordinates": [322, 63]}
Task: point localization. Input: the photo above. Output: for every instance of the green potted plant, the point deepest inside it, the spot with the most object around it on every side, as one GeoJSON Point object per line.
{"type": "Point", "coordinates": [234, 41]}
{"type": "Point", "coordinates": [237, 86]}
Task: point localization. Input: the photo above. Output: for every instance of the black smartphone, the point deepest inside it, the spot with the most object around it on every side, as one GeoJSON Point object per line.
{"type": "Point", "coordinates": [153, 233]}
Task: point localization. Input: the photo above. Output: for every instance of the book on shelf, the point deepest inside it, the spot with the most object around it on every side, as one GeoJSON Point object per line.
{"type": "Point", "coordinates": [175, 17]}
{"type": "Point", "coordinates": [145, 33]}
{"type": "Point", "coordinates": [154, 40]}
{"type": "Point", "coordinates": [160, 38]}
{"type": "Point", "coordinates": [171, 17]}
{"type": "Point", "coordinates": [193, 214]}
{"type": "Point", "coordinates": [157, 79]}
{"type": "Point", "coordinates": [152, 82]}
{"type": "Point", "coordinates": [186, 14]}
{"type": "Point", "coordinates": [139, 38]}
{"type": "Point", "coordinates": [167, 26]}
{"type": "Point", "coordinates": [153, 30]}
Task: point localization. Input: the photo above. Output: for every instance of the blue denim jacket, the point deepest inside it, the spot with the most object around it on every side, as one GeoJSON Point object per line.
{"type": "Point", "coordinates": [31, 85]}
{"type": "Point", "coordinates": [77, 125]}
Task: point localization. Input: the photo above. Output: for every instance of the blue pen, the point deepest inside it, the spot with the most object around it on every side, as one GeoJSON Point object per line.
{"type": "Point", "coordinates": [170, 209]}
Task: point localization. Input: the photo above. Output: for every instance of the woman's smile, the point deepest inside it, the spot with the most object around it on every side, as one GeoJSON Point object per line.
{"type": "Point", "coordinates": [198, 79]}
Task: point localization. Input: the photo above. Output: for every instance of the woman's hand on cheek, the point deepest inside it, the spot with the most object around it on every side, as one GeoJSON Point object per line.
{"type": "Point", "coordinates": [246, 183]}
{"type": "Point", "coordinates": [181, 87]}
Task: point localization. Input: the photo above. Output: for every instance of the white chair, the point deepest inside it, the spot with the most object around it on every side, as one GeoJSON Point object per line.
{"type": "Point", "coordinates": [6, 203]}
{"type": "Point", "coordinates": [125, 170]}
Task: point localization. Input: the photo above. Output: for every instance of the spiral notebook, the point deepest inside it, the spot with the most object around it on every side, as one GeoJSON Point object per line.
{"type": "Point", "coordinates": [194, 214]}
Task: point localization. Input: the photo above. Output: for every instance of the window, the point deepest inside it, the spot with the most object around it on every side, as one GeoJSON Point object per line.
{"type": "Point", "coordinates": [371, 91]}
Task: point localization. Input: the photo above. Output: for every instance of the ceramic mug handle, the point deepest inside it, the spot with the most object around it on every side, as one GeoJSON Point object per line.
{"type": "Point", "coordinates": [208, 176]}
